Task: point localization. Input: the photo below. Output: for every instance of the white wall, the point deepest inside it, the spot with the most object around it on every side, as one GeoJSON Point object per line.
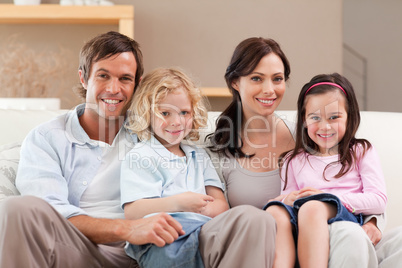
{"type": "Point", "coordinates": [200, 35]}
{"type": "Point", "coordinates": [374, 29]}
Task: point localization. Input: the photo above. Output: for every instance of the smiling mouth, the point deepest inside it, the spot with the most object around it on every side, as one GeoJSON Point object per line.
{"type": "Point", "coordinates": [325, 135]}
{"type": "Point", "coordinates": [110, 101]}
{"type": "Point", "coordinates": [174, 131]}
{"type": "Point", "coordinates": [265, 101]}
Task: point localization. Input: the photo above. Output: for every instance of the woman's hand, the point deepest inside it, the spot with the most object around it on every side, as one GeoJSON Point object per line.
{"type": "Point", "coordinates": [372, 231]}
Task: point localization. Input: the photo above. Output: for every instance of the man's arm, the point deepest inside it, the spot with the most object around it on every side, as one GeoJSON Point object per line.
{"type": "Point", "coordinates": [51, 180]}
{"type": "Point", "coordinates": [160, 229]}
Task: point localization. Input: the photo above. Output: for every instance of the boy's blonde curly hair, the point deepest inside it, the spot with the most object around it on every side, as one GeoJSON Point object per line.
{"type": "Point", "coordinates": [152, 89]}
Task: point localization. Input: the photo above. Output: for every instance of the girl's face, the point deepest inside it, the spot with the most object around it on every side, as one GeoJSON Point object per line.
{"type": "Point", "coordinates": [177, 119]}
{"type": "Point", "coordinates": [263, 89]}
{"type": "Point", "coordinates": [326, 119]}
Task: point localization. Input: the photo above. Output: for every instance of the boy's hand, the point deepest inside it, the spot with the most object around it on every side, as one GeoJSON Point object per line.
{"type": "Point", "coordinates": [193, 202]}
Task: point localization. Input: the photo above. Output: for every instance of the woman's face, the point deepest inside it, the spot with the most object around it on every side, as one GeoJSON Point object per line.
{"type": "Point", "coordinates": [262, 90]}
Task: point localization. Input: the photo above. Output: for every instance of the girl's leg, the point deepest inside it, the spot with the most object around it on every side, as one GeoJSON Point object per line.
{"type": "Point", "coordinates": [313, 239]}
{"type": "Point", "coordinates": [285, 251]}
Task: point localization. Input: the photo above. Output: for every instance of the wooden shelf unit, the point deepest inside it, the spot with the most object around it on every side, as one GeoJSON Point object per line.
{"type": "Point", "coordinates": [216, 92]}
{"type": "Point", "coordinates": [121, 15]}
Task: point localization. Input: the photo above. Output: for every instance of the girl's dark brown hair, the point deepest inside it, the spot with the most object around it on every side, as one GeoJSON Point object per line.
{"type": "Point", "coordinates": [347, 146]}
{"type": "Point", "coordinates": [245, 58]}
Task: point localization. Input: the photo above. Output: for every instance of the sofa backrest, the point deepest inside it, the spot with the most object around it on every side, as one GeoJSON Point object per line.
{"type": "Point", "coordinates": [382, 129]}
{"type": "Point", "coordinates": [17, 123]}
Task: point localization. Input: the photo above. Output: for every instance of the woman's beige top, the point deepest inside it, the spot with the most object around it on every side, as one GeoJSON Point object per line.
{"type": "Point", "coordinates": [244, 186]}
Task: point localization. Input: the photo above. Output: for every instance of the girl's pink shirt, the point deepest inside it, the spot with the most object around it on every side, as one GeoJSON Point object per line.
{"type": "Point", "coordinates": [362, 188]}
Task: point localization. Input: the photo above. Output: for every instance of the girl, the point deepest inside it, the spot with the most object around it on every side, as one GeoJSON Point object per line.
{"type": "Point", "coordinates": [161, 174]}
{"type": "Point", "coordinates": [329, 176]}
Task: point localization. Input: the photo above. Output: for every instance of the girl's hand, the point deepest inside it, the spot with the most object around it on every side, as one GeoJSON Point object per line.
{"type": "Point", "coordinates": [193, 202]}
{"type": "Point", "coordinates": [307, 191]}
{"type": "Point", "coordinates": [290, 198]}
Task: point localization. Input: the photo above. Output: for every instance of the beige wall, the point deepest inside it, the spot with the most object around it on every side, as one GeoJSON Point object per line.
{"type": "Point", "coordinates": [200, 35]}
{"type": "Point", "coordinates": [43, 38]}
{"type": "Point", "coordinates": [374, 29]}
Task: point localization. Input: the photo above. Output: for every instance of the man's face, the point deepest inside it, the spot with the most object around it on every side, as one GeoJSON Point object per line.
{"type": "Point", "coordinates": [110, 86]}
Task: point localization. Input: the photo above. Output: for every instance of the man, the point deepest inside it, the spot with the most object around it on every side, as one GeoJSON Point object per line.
{"type": "Point", "coordinates": [73, 163]}
{"type": "Point", "coordinates": [69, 214]}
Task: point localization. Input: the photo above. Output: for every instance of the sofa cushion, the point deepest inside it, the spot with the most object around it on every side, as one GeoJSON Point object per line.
{"type": "Point", "coordinates": [9, 157]}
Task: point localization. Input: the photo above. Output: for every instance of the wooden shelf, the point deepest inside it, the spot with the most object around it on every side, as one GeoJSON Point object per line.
{"type": "Point", "coordinates": [121, 15]}
{"type": "Point", "coordinates": [216, 92]}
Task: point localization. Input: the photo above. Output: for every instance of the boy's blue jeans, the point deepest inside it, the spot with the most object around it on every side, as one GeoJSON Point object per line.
{"type": "Point", "coordinates": [181, 253]}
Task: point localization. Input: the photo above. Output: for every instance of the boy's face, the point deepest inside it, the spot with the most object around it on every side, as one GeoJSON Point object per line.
{"type": "Point", "coordinates": [175, 120]}
{"type": "Point", "coordinates": [110, 86]}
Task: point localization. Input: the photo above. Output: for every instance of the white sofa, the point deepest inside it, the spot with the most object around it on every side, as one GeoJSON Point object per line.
{"type": "Point", "coordinates": [382, 129]}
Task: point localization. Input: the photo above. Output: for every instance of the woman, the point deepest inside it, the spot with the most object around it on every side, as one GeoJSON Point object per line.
{"type": "Point", "coordinates": [249, 138]}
